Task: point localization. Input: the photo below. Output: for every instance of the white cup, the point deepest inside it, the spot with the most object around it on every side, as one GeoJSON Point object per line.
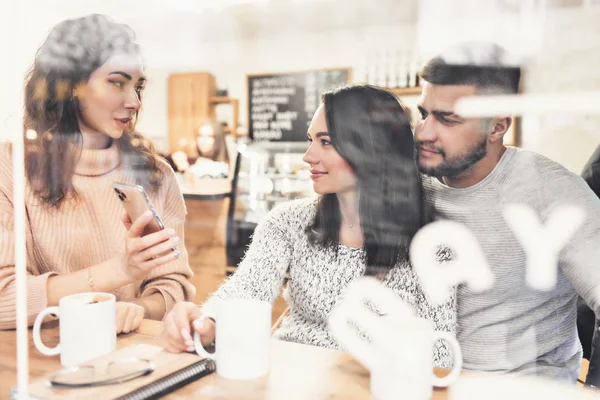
{"type": "Point", "coordinates": [405, 370]}
{"type": "Point", "coordinates": [86, 331]}
{"type": "Point", "coordinates": [400, 352]}
{"type": "Point", "coordinates": [243, 338]}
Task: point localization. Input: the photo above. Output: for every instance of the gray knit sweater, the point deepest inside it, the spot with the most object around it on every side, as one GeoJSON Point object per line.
{"type": "Point", "coordinates": [317, 279]}
{"type": "Point", "coordinates": [512, 327]}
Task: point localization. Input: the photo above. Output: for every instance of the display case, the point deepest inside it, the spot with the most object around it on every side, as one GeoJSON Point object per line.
{"type": "Point", "coordinates": [267, 174]}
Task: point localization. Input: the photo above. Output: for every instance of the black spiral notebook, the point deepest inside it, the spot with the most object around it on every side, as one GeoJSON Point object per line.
{"type": "Point", "coordinates": [170, 373]}
{"type": "Point", "coordinates": [172, 382]}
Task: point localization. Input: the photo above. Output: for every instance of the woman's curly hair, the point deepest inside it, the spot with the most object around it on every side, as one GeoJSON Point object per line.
{"type": "Point", "coordinates": [72, 51]}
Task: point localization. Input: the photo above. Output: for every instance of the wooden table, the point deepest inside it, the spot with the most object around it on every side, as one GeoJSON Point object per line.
{"type": "Point", "coordinates": [297, 371]}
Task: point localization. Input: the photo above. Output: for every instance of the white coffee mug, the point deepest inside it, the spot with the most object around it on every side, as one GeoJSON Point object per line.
{"type": "Point", "coordinates": [400, 352]}
{"type": "Point", "coordinates": [86, 330]}
{"type": "Point", "coordinates": [243, 338]}
{"type": "Point", "coordinates": [405, 369]}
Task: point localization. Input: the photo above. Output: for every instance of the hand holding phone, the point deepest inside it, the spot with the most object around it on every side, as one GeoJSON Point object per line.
{"type": "Point", "coordinates": [148, 245]}
{"type": "Point", "coordinates": [135, 201]}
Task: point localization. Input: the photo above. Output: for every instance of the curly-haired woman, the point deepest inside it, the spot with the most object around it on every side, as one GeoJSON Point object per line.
{"type": "Point", "coordinates": [82, 99]}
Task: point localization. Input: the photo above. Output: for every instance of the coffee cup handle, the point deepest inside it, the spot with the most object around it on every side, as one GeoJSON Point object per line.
{"type": "Point", "coordinates": [37, 340]}
{"type": "Point", "coordinates": [457, 365]}
{"type": "Point", "coordinates": [199, 347]}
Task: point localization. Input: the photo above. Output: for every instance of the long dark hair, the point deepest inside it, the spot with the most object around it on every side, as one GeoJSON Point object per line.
{"type": "Point", "coordinates": [71, 52]}
{"type": "Point", "coordinates": [371, 130]}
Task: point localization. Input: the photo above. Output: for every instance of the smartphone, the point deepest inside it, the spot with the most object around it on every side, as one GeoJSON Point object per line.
{"type": "Point", "coordinates": [135, 201]}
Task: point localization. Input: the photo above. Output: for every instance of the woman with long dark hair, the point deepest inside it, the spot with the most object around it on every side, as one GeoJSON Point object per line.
{"type": "Point", "coordinates": [82, 99]}
{"type": "Point", "coordinates": [370, 207]}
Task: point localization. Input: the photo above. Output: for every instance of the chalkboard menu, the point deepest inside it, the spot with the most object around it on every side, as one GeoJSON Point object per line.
{"type": "Point", "coordinates": [281, 105]}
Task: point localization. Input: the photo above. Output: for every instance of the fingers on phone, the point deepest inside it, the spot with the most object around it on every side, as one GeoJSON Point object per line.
{"type": "Point", "coordinates": [148, 241]}
{"type": "Point", "coordinates": [158, 237]}
{"type": "Point", "coordinates": [125, 218]}
{"type": "Point", "coordinates": [161, 260]}
{"type": "Point", "coordinates": [139, 224]}
{"type": "Point", "coordinates": [160, 249]}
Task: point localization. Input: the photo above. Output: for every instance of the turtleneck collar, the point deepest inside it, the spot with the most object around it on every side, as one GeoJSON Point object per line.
{"type": "Point", "coordinates": [98, 162]}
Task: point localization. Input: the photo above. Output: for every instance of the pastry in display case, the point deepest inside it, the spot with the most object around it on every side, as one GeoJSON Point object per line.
{"type": "Point", "coordinates": [269, 173]}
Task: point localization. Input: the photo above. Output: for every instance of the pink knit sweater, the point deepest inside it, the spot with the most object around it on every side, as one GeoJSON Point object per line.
{"type": "Point", "coordinates": [84, 233]}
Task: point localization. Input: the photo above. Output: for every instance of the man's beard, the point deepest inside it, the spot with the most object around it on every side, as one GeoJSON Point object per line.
{"type": "Point", "coordinates": [458, 165]}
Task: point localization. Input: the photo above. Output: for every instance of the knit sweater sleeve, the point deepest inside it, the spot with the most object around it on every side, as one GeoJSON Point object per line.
{"type": "Point", "coordinates": [36, 283]}
{"type": "Point", "coordinates": [172, 280]}
{"type": "Point", "coordinates": [261, 273]}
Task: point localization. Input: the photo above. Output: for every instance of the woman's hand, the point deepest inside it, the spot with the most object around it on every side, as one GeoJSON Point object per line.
{"type": "Point", "coordinates": [129, 316]}
{"type": "Point", "coordinates": [144, 253]}
{"type": "Point", "coordinates": [177, 336]}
